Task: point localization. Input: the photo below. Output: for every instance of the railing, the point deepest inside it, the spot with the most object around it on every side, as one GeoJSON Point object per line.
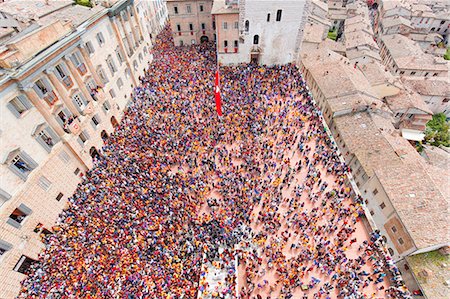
{"type": "Point", "coordinates": [82, 69]}
{"type": "Point", "coordinates": [68, 83]}
{"type": "Point", "coordinates": [74, 126]}
{"type": "Point", "coordinates": [50, 97]}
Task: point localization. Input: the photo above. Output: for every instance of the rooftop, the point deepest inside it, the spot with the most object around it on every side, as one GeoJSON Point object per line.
{"type": "Point", "coordinates": [407, 54]}
{"type": "Point", "coordinates": [327, 66]}
{"type": "Point", "coordinates": [395, 21]}
{"type": "Point", "coordinates": [376, 73]}
{"type": "Point", "coordinates": [402, 172]}
{"type": "Point", "coordinates": [28, 10]}
{"type": "Point", "coordinates": [407, 99]}
{"type": "Point", "coordinates": [432, 271]}
{"type": "Point", "coordinates": [221, 7]}
{"type": "Point", "coordinates": [430, 86]}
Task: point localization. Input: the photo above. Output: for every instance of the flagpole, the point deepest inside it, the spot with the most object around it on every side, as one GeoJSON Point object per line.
{"type": "Point", "coordinates": [217, 58]}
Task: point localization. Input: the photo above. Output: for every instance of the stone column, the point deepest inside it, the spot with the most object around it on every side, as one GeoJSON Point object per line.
{"type": "Point", "coordinates": [43, 109]}
{"type": "Point", "coordinates": [78, 79]}
{"type": "Point", "coordinates": [61, 90]}
{"type": "Point", "coordinates": [136, 19]}
{"type": "Point", "coordinates": [90, 66]}
{"type": "Point", "coordinates": [122, 23]}
{"type": "Point", "coordinates": [122, 47]}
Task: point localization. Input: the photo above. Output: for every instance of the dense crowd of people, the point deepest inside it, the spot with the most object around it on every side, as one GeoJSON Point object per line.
{"type": "Point", "coordinates": [177, 187]}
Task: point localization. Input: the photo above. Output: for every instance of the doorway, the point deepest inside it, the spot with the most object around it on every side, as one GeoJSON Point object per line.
{"type": "Point", "coordinates": [204, 39]}
{"type": "Point", "coordinates": [114, 122]}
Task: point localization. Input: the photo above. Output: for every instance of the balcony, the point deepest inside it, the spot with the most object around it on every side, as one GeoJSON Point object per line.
{"type": "Point", "coordinates": [74, 126]}
{"type": "Point", "coordinates": [82, 69]}
{"type": "Point", "coordinates": [67, 81]}
{"type": "Point", "coordinates": [50, 97]}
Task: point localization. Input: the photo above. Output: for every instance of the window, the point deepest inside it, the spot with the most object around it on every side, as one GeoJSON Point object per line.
{"type": "Point", "coordinates": [47, 138]}
{"type": "Point", "coordinates": [119, 55]}
{"type": "Point", "coordinates": [24, 264]}
{"type": "Point", "coordinates": [135, 65]}
{"type": "Point", "coordinates": [433, 28]}
{"type": "Point", "coordinates": [83, 138]}
{"type": "Point", "coordinates": [119, 83]}
{"type": "Point", "coordinates": [95, 121]}
{"type": "Point", "coordinates": [77, 171]}
{"type": "Point", "coordinates": [188, 8]}
{"type": "Point", "coordinates": [22, 165]}
{"type": "Point", "coordinates": [402, 72]}
{"type": "Point", "coordinates": [375, 191]}
{"type": "Point", "coordinates": [59, 196]}
{"type": "Point", "coordinates": [178, 27]}
{"type": "Point", "coordinates": [383, 205]}
{"type": "Point", "coordinates": [203, 26]}
{"type": "Point", "coordinates": [4, 247]}
{"type": "Point", "coordinates": [181, 43]}
{"type": "Point", "coordinates": [111, 65]}
{"type": "Point", "coordinates": [236, 43]}
{"type": "Point", "coordinates": [106, 106]}
{"type": "Point", "coordinates": [90, 48]}
{"type": "Point", "coordinates": [175, 10]}
{"type": "Point", "coordinates": [19, 105]}
{"type": "Point", "coordinates": [225, 25]}
{"type": "Point", "coordinates": [400, 241]}
{"type": "Point", "coordinates": [372, 212]}
{"type": "Point", "coordinates": [18, 216]}
{"type": "Point", "coordinates": [394, 229]}
{"type": "Point", "coordinates": [446, 100]}
{"type": "Point", "coordinates": [4, 196]}
{"type": "Point", "coordinates": [44, 183]}
{"type": "Point", "coordinates": [102, 75]}
{"type": "Point", "coordinates": [225, 43]}
{"type": "Point", "coordinates": [201, 7]}
{"type": "Point", "coordinates": [140, 57]}
{"type": "Point", "coordinates": [127, 73]}
{"type": "Point", "coordinates": [413, 73]}
{"type": "Point", "coordinates": [279, 15]}
{"type": "Point", "coordinates": [256, 39]}
{"type": "Point", "coordinates": [391, 252]}
{"type": "Point", "coordinates": [426, 74]}
{"type": "Point", "coordinates": [247, 25]}
{"type": "Point", "coordinates": [268, 17]}
{"type": "Point", "coordinates": [100, 39]}
{"type": "Point", "coordinates": [60, 71]}
{"type": "Point", "coordinates": [191, 26]}
{"type": "Point", "coordinates": [41, 88]}
{"type": "Point", "coordinates": [79, 101]}
{"type": "Point", "coordinates": [236, 25]}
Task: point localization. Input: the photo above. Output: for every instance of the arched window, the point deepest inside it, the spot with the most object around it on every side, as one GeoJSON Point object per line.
{"type": "Point", "coordinates": [256, 39]}
{"type": "Point", "coordinates": [391, 252]}
{"type": "Point", "coordinates": [247, 25]}
{"type": "Point", "coordinates": [268, 17]}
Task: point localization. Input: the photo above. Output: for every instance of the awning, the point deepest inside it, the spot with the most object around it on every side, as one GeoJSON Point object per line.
{"type": "Point", "coordinates": [413, 135]}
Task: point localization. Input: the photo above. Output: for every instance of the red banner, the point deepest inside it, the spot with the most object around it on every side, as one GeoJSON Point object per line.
{"type": "Point", "coordinates": [217, 95]}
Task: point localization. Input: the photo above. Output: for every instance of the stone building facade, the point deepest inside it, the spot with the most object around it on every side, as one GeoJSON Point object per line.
{"type": "Point", "coordinates": [60, 98]}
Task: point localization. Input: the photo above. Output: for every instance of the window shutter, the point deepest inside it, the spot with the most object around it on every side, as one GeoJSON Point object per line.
{"type": "Point", "coordinates": [38, 91]}
{"type": "Point", "coordinates": [25, 209]}
{"type": "Point", "coordinates": [59, 121]}
{"type": "Point", "coordinates": [13, 223]}
{"type": "Point", "coordinates": [47, 84]}
{"type": "Point", "coordinates": [86, 134]}
{"type": "Point", "coordinates": [93, 125]}
{"type": "Point", "coordinates": [104, 109]}
{"type": "Point", "coordinates": [44, 145]}
{"type": "Point", "coordinates": [80, 141]}
{"type": "Point", "coordinates": [52, 134]}
{"type": "Point", "coordinates": [24, 100]}
{"type": "Point", "coordinates": [57, 73]}
{"type": "Point", "coordinates": [29, 160]}
{"type": "Point", "coordinates": [17, 172]}
{"type": "Point", "coordinates": [5, 245]}
{"type": "Point", "coordinates": [13, 110]}
{"type": "Point", "coordinates": [76, 105]}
